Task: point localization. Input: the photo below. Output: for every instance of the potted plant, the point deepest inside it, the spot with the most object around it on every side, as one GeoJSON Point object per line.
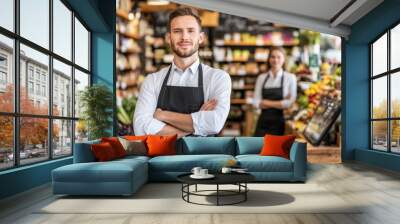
{"type": "Point", "coordinates": [96, 103]}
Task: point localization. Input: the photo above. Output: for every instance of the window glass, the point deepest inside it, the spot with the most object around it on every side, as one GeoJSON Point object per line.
{"type": "Point", "coordinates": [379, 97]}
{"type": "Point", "coordinates": [34, 21]}
{"type": "Point", "coordinates": [379, 56]}
{"type": "Point", "coordinates": [395, 47]}
{"type": "Point", "coordinates": [395, 94]}
{"type": "Point", "coordinates": [6, 74]}
{"type": "Point", "coordinates": [62, 29]}
{"type": "Point", "coordinates": [81, 82]}
{"type": "Point", "coordinates": [62, 91]}
{"type": "Point", "coordinates": [379, 135]}
{"type": "Point", "coordinates": [81, 45]}
{"type": "Point", "coordinates": [39, 61]}
{"type": "Point", "coordinates": [395, 136]}
{"type": "Point", "coordinates": [33, 140]}
{"type": "Point", "coordinates": [7, 14]}
{"type": "Point", "coordinates": [62, 137]}
{"type": "Point", "coordinates": [6, 142]}
{"type": "Point", "coordinates": [81, 131]}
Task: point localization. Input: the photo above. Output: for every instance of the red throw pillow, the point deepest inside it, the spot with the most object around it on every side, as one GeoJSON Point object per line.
{"type": "Point", "coordinates": [103, 152]}
{"type": "Point", "coordinates": [135, 138]}
{"type": "Point", "coordinates": [276, 145]}
{"type": "Point", "coordinates": [161, 145]}
{"type": "Point", "coordinates": [116, 145]}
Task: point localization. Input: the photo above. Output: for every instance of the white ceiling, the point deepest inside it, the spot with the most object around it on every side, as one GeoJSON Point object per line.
{"type": "Point", "coordinates": [315, 15]}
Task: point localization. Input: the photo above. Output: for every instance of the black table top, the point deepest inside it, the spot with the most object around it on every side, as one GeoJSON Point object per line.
{"type": "Point", "coordinates": [220, 178]}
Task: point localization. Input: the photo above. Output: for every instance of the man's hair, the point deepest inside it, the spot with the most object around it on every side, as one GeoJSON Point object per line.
{"type": "Point", "coordinates": [183, 11]}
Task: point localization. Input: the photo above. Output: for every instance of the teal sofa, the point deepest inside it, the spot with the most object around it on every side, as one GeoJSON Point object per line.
{"type": "Point", "coordinates": [125, 176]}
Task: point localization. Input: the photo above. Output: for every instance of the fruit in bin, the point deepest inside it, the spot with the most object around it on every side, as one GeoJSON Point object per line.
{"type": "Point", "coordinates": [311, 106]}
{"type": "Point", "coordinates": [303, 101]}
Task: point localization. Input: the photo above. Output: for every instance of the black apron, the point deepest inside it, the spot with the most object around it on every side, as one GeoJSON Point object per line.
{"type": "Point", "coordinates": [181, 99]}
{"type": "Point", "coordinates": [271, 120]}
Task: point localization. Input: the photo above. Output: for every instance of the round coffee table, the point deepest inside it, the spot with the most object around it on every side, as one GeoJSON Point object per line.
{"type": "Point", "coordinates": [238, 179]}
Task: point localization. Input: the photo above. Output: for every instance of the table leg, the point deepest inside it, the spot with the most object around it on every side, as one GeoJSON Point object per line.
{"type": "Point", "coordinates": [188, 190]}
{"type": "Point", "coordinates": [217, 194]}
{"type": "Point", "coordinates": [196, 188]}
{"type": "Point", "coordinates": [245, 191]}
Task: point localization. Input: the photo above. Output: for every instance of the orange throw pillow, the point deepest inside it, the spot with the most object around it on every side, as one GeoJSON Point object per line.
{"type": "Point", "coordinates": [276, 145]}
{"type": "Point", "coordinates": [116, 145]}
{"type": "Point", "coordinates": [103, 152]}
{"type": "Point", "coordinates": [161, 145]}
{"type": "Point", "coordinates": [135, 138]}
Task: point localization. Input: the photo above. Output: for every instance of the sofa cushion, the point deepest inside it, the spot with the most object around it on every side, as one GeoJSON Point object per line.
{"type": "Point", "coordinates": [185, 163]}
{"type": "Point", "coordinates": [257, 163]}
{"type": "Point", "coordinates": [207, 145]}
{"type": "Point", "coordinates": [103, 152]}
{"type": "Point", "coordinates": [277, 145]}
{"type": "Point", "coordinates": [116, 145]}
{"type": "Point", "coordinates": [159, 145]}
{"type": "Point", "coordinates": [134, 147]}
{"type": "Point", "coordinates": [111, 171]}
{"type": "Point", "coordinates": [135, 137]}
{"type": "Point", "coordinates": [249, 145]}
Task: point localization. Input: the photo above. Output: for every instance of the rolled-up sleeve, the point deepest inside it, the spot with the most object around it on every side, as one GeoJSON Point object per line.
{"type": "Point", "coordinates": [144, 123]}
{"type": "Point", "coordinates": [211, 122]}
{"type": "Point", "coordinates": [292, 92]}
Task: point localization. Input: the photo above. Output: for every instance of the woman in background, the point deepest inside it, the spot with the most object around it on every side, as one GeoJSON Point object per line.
{"type": "Point", "coordinates": [275, 91]}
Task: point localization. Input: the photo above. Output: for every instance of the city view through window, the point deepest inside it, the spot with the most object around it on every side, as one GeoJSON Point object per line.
{"type": "Point", "coordinates": [39, 113]}
{"type": "Point", "coordinates": [385, 92]}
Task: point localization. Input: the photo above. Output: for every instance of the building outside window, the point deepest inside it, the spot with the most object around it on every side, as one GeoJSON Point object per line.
{"type": "Point", "coordinates": [3, 72]}
{"type": "Point", "coordinates": [30, 72]}
{"type": "Point", "coordinates": [30, 87]}
{"type": "Point", "coordinates": [34, 68]}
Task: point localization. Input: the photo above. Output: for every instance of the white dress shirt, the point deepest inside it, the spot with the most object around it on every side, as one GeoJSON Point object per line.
{"type": "Point", "coordinates": [216, 85]}
{"type": "Point", "coordinates": [289, 87]}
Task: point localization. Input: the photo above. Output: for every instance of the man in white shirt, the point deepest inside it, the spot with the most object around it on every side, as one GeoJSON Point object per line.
{"type": "Point", "coordinates": [186, 98]}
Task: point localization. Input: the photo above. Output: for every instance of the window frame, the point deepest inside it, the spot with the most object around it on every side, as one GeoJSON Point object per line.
{"type": "Point", "coordinates": [16, 114]}
{"type": "Point", "coordinates": [388, 74]}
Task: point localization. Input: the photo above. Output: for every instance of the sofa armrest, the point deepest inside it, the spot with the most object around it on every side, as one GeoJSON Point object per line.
{"type": "Point", "coordinates": [298, 155]}
{"type": "Point", "coordinates": [83, 152]}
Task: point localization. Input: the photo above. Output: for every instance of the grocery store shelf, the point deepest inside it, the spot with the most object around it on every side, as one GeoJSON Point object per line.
{"type": "Point", "coordinates": [122, 14]}
{"type": "Point", "coordinates": [238, 44]}
{"type": "Point", "coordinates": [128, 51]}
{"type": "Point", "coordinates": [241, 61]}
{"type": "Point", "coordinates": [246, 87]}
{"type": "Point", "coordinates": [129, 35]}
{"type": "Point", "coordinates": [238, 101]}
{"type": "Point", "coordinates": [245, 75]}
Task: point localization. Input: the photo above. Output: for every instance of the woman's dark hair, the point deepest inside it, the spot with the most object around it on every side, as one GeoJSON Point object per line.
{"type": "Point", "coordinates": [280, 49]}
{"type": "Point", "coordinates": [183, 11]}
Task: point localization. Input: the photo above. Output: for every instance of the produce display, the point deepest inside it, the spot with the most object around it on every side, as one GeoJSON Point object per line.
{"type": "Point", "coordinates": [308, 100]}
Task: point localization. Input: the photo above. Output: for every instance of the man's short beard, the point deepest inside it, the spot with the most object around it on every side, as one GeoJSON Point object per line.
{"type": "Point", "coordinates": [185, 55]}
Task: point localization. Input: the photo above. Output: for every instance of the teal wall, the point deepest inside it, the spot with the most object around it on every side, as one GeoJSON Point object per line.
{"type": "Point", "coordinates": [24, 178]}
{"type": "Point", "coordinates": [104, 65]}
{"type": "Point", "coordinates": [356, 85]}
{"type": "Point", "coordinates": [99, 16]}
